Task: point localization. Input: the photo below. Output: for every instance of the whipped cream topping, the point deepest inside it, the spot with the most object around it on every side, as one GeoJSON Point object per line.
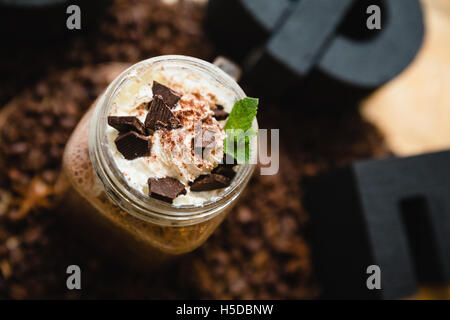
{"type": "Point", "coordinates": [172, 153]}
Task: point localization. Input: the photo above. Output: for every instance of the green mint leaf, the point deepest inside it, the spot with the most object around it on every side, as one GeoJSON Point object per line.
{"type": "Point", "coordinates": [242, 115]}
{"type": "Point", "coordinates": [239, 129]}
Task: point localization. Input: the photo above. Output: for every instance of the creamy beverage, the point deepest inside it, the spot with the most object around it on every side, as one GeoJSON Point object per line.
{"type": "Point", "coordinates": [173, 151]}
{"type": "Point", "coordinates": [145, 164]}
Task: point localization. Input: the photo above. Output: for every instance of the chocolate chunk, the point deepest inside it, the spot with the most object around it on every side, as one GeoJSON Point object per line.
{"type": "Point", "coordinates": [133, 145]}
{"type": "Point", "coordinates": [169, 96]}
{"type": "Point", "coordinates": [210, 182]}
{"type": "Point", "coordinates": [220, 113]}
{"type": "Point", "coordinates": [225, 170]}
{"type": "Point", "coordinates": [159, 116]}
{"type": "Point", "coordinates": [165, 189]}
{"type": "Point", "coordinates": [125, 124]}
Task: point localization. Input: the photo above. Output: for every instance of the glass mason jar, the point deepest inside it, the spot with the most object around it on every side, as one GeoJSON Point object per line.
{"type": "Point", "coordinates": [123, 221]}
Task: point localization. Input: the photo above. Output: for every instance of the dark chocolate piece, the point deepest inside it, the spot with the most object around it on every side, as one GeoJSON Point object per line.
{"type": "Point", "coordinates": [210, 182]}
{"type": "Point", "coordinates": [169, 96]}
{"type": "Point", "coordinates": [220, 113]}
{"type": "Point", "coordinates": [225, 170]}
{"type": "Point", "coordinates": [125, 124]}
{"type": "Point", "coordinates": [159, 116]}
{"type": "Point", "coordinates": [165, 189]}
{"type": "Point", "coordinates": [133, 145]}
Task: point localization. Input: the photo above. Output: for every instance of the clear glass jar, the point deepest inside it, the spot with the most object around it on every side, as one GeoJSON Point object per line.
{"type": "Point", "coordinates": [122, 220]}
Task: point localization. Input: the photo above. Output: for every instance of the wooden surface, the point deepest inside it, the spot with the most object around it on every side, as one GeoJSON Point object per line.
{"type": "Point", "coordinates": [413, 110]}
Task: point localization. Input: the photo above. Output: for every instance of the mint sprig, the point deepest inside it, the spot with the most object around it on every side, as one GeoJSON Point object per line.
{"type": "Point", "coordinates": [239, 130]}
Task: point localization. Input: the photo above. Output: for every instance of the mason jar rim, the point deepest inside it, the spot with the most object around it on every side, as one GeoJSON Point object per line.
{"type": "Point", "coordinates": [136, 203]}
